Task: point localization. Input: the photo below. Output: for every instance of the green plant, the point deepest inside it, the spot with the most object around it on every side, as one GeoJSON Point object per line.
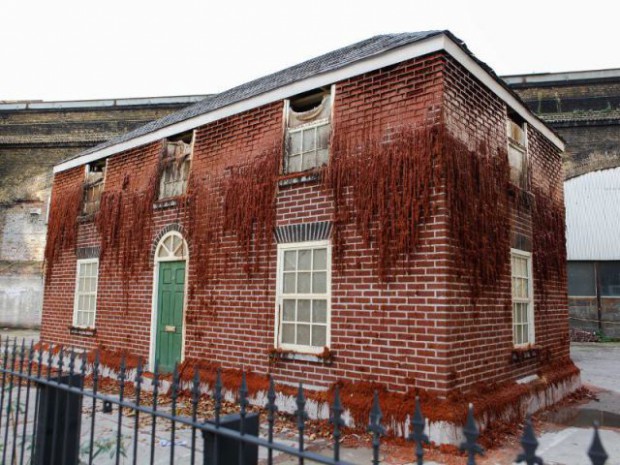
{"type": "Point", "coordinates": [103, 446]}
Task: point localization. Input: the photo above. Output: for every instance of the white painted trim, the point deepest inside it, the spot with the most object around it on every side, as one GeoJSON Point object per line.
{"type": "Point", "coordinates": [119, 102]}
{"type": "Point", "coordinates": [531, 315]}
{"type": "Point", "coordinates": [390, 57]}
{"type": "Point", "coordinates": [154, 299]}
{"type": "Point", "coordinates": [309, 350]}
{"type": "Point", "coordinates": [84, 261]}
{"type": "Point", "coordinates": [562, 77]}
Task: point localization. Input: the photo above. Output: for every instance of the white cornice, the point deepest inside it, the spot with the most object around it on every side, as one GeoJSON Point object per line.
{"type": "Point", "coordinates": [390, 57]}
{"type": "Point", "coordinates": [562, 77]}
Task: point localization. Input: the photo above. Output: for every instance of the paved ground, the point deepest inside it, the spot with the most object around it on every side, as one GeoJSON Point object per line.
{"type": "Point", "coordinates": [599, 363]}
{"type": "Point", "coordinates": [27, 335]}
{"type": "Point", "coordinates": [564, 435]}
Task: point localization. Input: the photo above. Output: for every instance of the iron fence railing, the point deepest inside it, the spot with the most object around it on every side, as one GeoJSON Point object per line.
{"type": "Point", "coordinates": [50, 416]}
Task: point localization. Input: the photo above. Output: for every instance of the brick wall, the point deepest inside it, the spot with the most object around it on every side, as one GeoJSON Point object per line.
{"type": "Point", "coordinates": [481, 346]}
{"type": "Point", "coordinates": [418, 330]}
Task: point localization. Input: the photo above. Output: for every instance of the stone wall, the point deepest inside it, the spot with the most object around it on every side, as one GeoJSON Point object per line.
{"type": "Point", "coordinates": [34, 136]}
{"type": "Point", "coordinates": [584, 108]}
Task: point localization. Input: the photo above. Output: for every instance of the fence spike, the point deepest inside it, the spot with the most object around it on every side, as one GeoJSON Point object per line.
{"type": "Point", "coordinates": [28, 384]}
{"type": "Point", "coordinates": [375, 427]}
{"type": "Point", "coordinates": [39, 359]}
{"type": "Point", "coordinates": [156, 376]}
{"type": "Point", "coordinates": [529, 444]}
{"type": "Point", "coordinates": [139, 378]}
{"type": "Point", "coordinates": [61, 361]}
{"type": "Point", "coordinates": [301, 415]}
{"type": "Point", "coordinates": [196, 386]}
{"type": "Point", "coordinates": [217, 396]}
{"type": "Point", "coordinates": [272, 408]}
{"type": "Point", "coordinates": [121, 380]}
{"type": "Point", "coordinates": [417, 435]}
{"type": "Point", "coordinates": [83, 361]}
{"type": "Point", "coordinates": [96, 367]}
{"type": "Point", "coordinates": [18, 404]}
{"type": "Point", "coordinates": [31, 351]}
{"type": "Point", "coordinates": [122, 372]}
{"type": "Point", "coordinates": [50, 360]}
{"type": "Point", "coordinates": [4, 365]}
{"type": "Point", "coordinates": [195, 399]}
{"type": "Point", "coordinates": [22, 351]}
{"type": "Point", "coordinates": [243, 396]}
{"type": "Point", "coordinates": [72, 362]}
{"type": "Point", "coordinates": [175, 394]}
{"type": "Point", "coordinates": [175, 382]}
{"type": "Point", "coordinates": [155, 384]}
{"type": "Point", "coordinates": [136, 424]}
{"type": "Point", "coordinates": [596, 452]}
{"type": "Point", "coordinates": [471, 435]}
{"type": "Point", "coordinates": [336, 420]}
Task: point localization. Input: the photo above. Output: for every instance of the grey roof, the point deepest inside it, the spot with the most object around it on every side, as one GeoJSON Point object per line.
{"type": "Point", "coordinates": [324, 63]}
{"type": "Point", "coordinates": [329, 62]}
{"type": "Point", "coordinates": [592, 215]}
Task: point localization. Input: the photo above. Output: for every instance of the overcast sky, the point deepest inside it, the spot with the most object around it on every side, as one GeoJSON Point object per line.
{"type": "Point", "coordinates": [70, 49]}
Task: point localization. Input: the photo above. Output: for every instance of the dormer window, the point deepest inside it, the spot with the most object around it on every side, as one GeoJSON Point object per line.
{"type": "Point", "coordinates": [308, 130]}
{"type": "Point", "coordinates": [516, 130]}
{"type": "Point", "coordinates": [176, 159]}
{"type": "Point", "coordinates": [93, 187]}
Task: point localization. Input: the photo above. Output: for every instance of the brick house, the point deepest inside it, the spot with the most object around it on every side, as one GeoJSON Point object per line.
{"type": "Point", "coordinates": [389, 212]}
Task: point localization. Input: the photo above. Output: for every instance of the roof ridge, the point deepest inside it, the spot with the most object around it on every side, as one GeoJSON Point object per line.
{"type": "Point", "coordinates": [328, 61]}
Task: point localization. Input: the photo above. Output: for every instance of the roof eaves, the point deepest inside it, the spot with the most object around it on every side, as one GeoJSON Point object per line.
{"type": "Point", "coordinates": [192, 117]}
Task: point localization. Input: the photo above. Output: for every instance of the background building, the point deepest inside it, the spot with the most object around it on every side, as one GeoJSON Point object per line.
{"type": "Point", "coordinates": [34, 136]}
{"type": "Point", "coordinates": [584, 108]}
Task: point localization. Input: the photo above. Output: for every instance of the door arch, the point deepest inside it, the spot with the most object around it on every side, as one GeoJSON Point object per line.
{"type": "Point", "coordinates": [169, 301]}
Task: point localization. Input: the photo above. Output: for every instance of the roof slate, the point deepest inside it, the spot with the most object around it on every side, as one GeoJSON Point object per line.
{"type": "Point", "coordinates": [324, 63]}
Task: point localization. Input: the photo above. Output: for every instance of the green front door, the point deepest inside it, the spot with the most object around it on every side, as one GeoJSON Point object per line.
{"type": "Point", "coordinates": [170, 297]}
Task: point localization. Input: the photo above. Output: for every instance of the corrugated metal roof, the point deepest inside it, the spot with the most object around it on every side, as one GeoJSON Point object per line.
{"type": "Point", "coordinates": [593, 216]}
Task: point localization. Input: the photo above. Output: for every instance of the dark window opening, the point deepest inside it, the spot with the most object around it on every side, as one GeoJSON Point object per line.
{"type": "Point", "coordinates": [176, 159]}
{"type": "Point", "coordinates": [517, 149]}
{"type": "Point", "coordinates": [308, 130]}
{"type": "Point", "coordinates": [93, 186]}
{"type": "Point", "coordinates": [308, 100]}
{"type": "Point", "coordinates": [610, 279]}
{"type": "Point", "coordinates": [581, 279]}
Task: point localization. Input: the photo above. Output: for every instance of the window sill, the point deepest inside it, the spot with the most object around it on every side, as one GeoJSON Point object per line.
{"type": "Point", "coordinates": [80, 331]}
{"type": "Point", "coordinates": [520, 354]}
{"type": "Point", "coordinates": [165, 203]}
{"type": "Point", "coordinates": [302, 177]}
{"type": "Point", "coordinates": [325, 358]}
{"type": "Point", "coordinates": [521, 196]}
{"type": "Point", "coordinates": [86, 218]}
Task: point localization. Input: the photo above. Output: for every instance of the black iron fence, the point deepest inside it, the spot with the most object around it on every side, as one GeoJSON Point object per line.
{"type": "Point", "coordinates": [57, 408]}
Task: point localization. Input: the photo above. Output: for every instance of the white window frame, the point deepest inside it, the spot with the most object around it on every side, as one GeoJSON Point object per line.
{"type": "Point", "coordinates": [522, 148]}
{"type": "Point", "coordinates": [162, 194]}
{"type": "Point", "coordinates": [310, 126]}
{"type": "Point", "coordinates": [90, 186]}
{"type": "Point", "coordinates": [77, 293]}
{"type": "Point", "coordinates": [529, 300]}
{"type": "Point", "coordinates": [280, 296]}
